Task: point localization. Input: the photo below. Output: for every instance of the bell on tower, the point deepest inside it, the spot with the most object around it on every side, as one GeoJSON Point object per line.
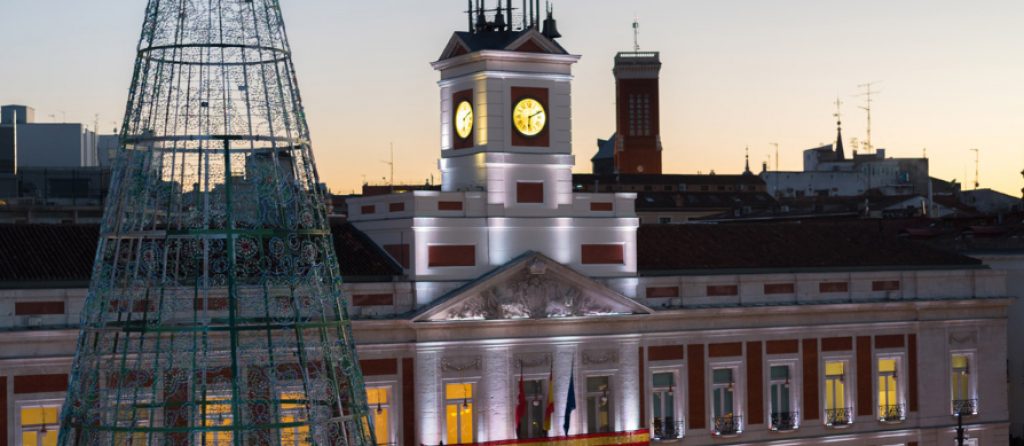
{"type": "Point", "coordinates": [550, 24]}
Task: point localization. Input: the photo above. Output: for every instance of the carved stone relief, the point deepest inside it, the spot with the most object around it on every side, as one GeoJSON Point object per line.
{"type": "Point", "coordinates": [531, 294]}
{"type": "Point", "coordinates": [600, 357]}
{"type": "Point", "coordinates": [461, 364]}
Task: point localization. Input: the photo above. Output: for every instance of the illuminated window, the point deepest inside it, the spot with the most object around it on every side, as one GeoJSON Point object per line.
{"type": "Point", "coordinates": [532, 424]}
{"type": "Point", "coordinates": [889, 407]}
{"type": "Point", "coordinates": [665, 423]}
{"type": "Point", "coordinates": [837, 412]}
{"type": "Point", "coordinates": [723, 392]}
{"type": "Point", "coordinates": [132, 416]}
{"type": "Point", "coordinates": [217, 414]}
{"type": "Point", "coordinates": [783, 417]}
{"type": "Point", "coordinates": [293, 410]}
{"type": "Point", "coordinates": [377, 398]}
{"type": "Point", "coordinates": [39, 425]}
{"type": "Point", "coordinates": [459, 412]}
{"type": "Point", "coordinates": [599, 405]}
{"type": "Point", "coordinates": [962, 390]}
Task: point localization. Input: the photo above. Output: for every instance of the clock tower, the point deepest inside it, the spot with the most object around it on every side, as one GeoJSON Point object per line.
{"type": "Point", "coordinates": [506, 166]}
{"type": "Point", "coordinates": [506, 115]}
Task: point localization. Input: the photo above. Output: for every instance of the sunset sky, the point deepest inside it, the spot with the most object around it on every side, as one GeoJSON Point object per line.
{"type": "Point", "coordinates": [736, 73]}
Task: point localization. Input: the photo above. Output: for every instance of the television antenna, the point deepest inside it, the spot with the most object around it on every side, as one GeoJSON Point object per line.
{"type": "Point", "coordinates": [977, 170]}
{"type": "Point", "coordinates": [869, 98]}
{"type": "Point", "coordinates": [636, 34]}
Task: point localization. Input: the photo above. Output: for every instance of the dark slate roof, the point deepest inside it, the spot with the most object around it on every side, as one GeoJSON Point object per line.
{"type": "Point", "coordinates": [51, 254]}
{"type": "Point", "coordinates": [668, 179]}
{"type": "Point", "coordinates": [833, 245]}
{"type": "Point", "coordinates": [47, 253]}
{"type": "Point", "coordinates": [358, 256]}
{"type": "Point", "coordinates": [497, 40]}
{"type": "Point", "coordinates": [681, 201]}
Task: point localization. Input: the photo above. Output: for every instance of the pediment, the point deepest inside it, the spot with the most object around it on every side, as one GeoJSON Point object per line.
{"type": "Point", "coordinates": [533, 41]}
{"type": "Point", "coordinates": [455, 48]}
{"type": "Point", "coordinates": [531, 287]}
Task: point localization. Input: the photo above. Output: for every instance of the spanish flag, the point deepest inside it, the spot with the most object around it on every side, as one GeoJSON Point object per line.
{"type": "Point", "coordinates": [549, 410]}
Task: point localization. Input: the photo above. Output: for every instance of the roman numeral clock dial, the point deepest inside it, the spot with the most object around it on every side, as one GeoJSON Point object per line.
{"type": "Point", "coordinates": [464, 120]}
{"type": "Point", "coordinates": [529, 117]}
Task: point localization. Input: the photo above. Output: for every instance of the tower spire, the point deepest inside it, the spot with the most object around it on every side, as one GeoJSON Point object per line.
{"type": "Point", "coordinates": [840, 153]}
{"type": "Point", "coordinates": [746, 170]}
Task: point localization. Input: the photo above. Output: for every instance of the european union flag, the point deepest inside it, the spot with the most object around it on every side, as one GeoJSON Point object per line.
{"type": "Point", "coordinates": [570, 402]}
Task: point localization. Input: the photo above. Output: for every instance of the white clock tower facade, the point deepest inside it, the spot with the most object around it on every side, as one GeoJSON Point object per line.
{"type": "Point", "coordinates": [506, 165]}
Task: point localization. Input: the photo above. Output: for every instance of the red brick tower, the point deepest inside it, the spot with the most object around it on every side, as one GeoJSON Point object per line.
{"type": "Point", "coordinates": [638, 117]}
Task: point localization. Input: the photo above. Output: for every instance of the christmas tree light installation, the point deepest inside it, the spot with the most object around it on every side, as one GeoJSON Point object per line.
{"type": "Point", "coordinates": [214, 315]}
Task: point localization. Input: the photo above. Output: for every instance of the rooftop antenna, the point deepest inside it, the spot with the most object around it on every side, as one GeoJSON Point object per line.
{"type": "Point", "coordinates": [636, 34]}
{"type": "Point", "coordinates": [391, 164]}
{"type": "Point", "coordinates": [469, 13]}
{"type": "Point", "coordinates": [868, 96]}
{"type": "Point", "coordinates": [508, 13]}
{"type": "Point", "coordinates": [526, 20]}
{"type": "Point", "coordinates": [977, 159]}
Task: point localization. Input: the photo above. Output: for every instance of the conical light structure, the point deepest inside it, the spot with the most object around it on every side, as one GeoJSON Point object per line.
{"type": "Point", "coordinates": [215, 314]}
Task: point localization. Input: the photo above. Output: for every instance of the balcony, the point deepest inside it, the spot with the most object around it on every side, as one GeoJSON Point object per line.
{"type": "Point", "coordinates": [667, 428]}
{"type": "Point", "coordinates": [785, 421]}
{"type": "Point", "coordinates": [965, 407]}
{"type": "Point", "coordinates": [839, 417]}
{"type": "Point", "coordinates": [728, 425]}
{"type": "Point", "coordinates": [894, 413]}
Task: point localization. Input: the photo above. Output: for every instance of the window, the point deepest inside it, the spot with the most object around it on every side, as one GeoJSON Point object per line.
{"type": "Point", "coordinates": [962, 391]}
{"type": "Point", "coordinates": [782, 416]}
{"type": "Point", "coordinates": [665, 423]}
{"type": "Point", "coordinates": [837, 412]}
{"type": "Point", "coordinates": [722, 393]}
{"type": "Point", "coordinates": [379, 402]}
{"type": "Point", "coordinates": [599, 402]}
{"type": "Point", "coordinates": [723, 290]}
{"type": "Point", "coordinates": [293, 409]}
{"type": "Point", "coordinates": [889, 407]}
{"type": "Point", "coordinates": [39, 425]}
{"type": "Point", "coordinates": [529, 192]}
{"type": "Point", "coordinates": [217, 413]}
{"type": "Point", "coordinates": [532, 425]}
{"type": "Point", "coordinates": [459, 412]}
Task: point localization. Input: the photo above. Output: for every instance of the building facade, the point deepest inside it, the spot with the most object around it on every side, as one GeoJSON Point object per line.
{"type": "Point", "coordinates": [472, 301]}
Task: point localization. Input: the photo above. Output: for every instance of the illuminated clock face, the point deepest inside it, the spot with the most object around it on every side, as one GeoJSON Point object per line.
{"type": "Point", "coordinates": [529, 117]}
{"type": "Point", "coordinates": [464, 119]}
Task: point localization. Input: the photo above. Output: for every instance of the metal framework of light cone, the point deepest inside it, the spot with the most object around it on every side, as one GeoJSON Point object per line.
{"type": "Point", "coordinates": [215, 314]}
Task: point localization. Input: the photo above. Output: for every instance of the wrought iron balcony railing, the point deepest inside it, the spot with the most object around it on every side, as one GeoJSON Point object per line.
{"type": "Point", "coordinates": [728, 425]}
{"type": "Point", "coordinates": [965, 407]}
{"type": "Point", "coordinates": [839, 417]}
{"type": "Point", "coordinates": [893, 413]}
{"type": "Point", "coordinates": [785, 421]}
{"type": "Point", "coordinates": [667, 428]}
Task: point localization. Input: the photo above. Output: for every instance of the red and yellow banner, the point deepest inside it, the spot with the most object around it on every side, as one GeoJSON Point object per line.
{"type": "Point", "coordinates": [632, 438]}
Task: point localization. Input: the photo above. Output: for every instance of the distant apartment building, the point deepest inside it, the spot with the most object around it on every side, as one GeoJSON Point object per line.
{"type": "Point", "coordinates": [49, 172]}
{"type": "Point", "coordinates": [827, 172]}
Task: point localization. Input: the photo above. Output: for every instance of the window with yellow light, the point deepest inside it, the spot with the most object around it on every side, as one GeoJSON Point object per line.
{"type": "Point", "coordinates": [835, 385]}
{"type": "Point", "coordinates": [293, 413]}
{"type": "Point", "coordinates": [888, 387]}
{"type": "Point", "coordinates": [216, 413]}
{"type": "Point", "coordinates": [39, 425]}
{"type": "Point", "coordinates": [377, 398]}
{"type": "Point", "coordinates": [459, 412]}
